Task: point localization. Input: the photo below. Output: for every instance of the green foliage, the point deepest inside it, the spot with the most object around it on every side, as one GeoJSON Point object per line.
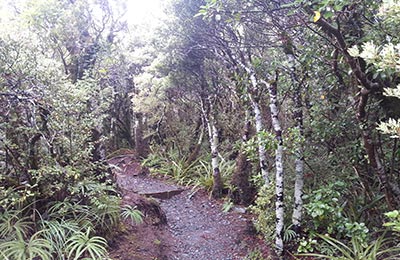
{"type": "Point", "coordinates": [23, 248]}
{"type": "Point", "coordinates": [255, 255]}
{"type": "Point", "coordinates": [394, 223]}
{"type": "Point", "coordinates": [17, 240]}
{"type": "Point", "coordinates": [197, 173]}
{"type": "Point", "coordinates": [325, 209]}
{"type": "Point", "coordinates": [377, 249]}
{"type": "Point", "coordinates": [265, 217]}
{"type": "Point", "coordinates": [58, 232]}
{"type": "Point", "coordinates": [59, 223]}
{"type": "Point", "coordinates": [204, 176]}
{"type": "Point", "coordinates": [267, 140]}
{"type": "Point", "coordinates": [227, 206]}
{"type": "Point", "coordinates": [153, 160]}
{"type": "Point", "coordinates": [307, 245]}
{"type": "Point", "coordinates": [173, 165]}
{"type": "Point", "coordinates": [289, 234]}
{"type": "Point", "coordinates": [13, 224]}
{"type": "Point", "coordinates": [63, 78]}
{"type": "Point", "coordinates": [205, 179]}
{"type": "Point", "coordinates": [47, 129]}
{"type": "Point", "coordinates": [84, 244]}
{"type": "Point", "coordinates": [135, 215]}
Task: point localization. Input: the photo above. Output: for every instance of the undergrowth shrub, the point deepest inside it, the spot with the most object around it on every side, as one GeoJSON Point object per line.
{"type": "Point", "coordinates": [378, 249]}
{"type": "Point", "coordinates": [27, 248]}
{"type": "Point", "coordinates": [325, 214]}
{"type": "Point", "coordinates": [75, 227]}
{"type": "Point", "coordinates": [84, 244]}
{"type": "Point", "coordinates": [196, 173]}
{"type": "Point", "coordinates": [325, 208]}
{"type": "Point", "coordinates": [263, 209]}
{"type": "Point", "coordinates": [129, 212]}
{"type": "Point", "coordinates": [394, 221]}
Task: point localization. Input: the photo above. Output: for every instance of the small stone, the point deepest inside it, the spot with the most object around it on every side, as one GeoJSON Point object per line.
{"type": "Point", "coordinates": [238, 209]}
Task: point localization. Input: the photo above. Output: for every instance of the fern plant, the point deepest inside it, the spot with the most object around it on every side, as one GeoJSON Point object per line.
{"type": "Point", "coordinates": [105, 212]}
{"type": "Point", "coordinates": [11, 224]}
{"type": "Point", "coordinates": [132, 213]}
{"type": "Point", "coordinates": [289, 234]}
{"type": "Point", "coordinates": [35, 247]}
{"type": "Point", "coordinates": [83, 244]}
{"type": "Point", "coordinates": [68, 210]}
{"type": "Point", "coordinates": [58, 232]}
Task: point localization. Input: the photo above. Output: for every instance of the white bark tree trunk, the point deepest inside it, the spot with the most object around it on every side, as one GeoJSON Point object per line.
{"type": "Point", "coordinates": [299, 162]}
{"type": "Point", "coordinates": [279, 188]}
{"type": "Point", "coordinates": [262, 155]}
{"type": "Point", "coordinates": [214, 142]}
{"type": "Point", "coordinates": [217, 187]}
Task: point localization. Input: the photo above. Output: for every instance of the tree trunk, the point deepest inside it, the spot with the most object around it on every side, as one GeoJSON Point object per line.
{"type": "Point", "coordinates": [262, 154]}
{"type": "Point", "coordinates": [240, 179]}
{"type": "Point", "coordinates": [279, 188]}
{"type": "Point", "coordinates": [141, 145]}
{"type": "Point", "coordinates": [217, 186]}
{"type": "Point", "coordinates": [214, 142]}
{"type": "Point", "coordinates": [259, 123]}
{"type": "Point", "coordinates": [98, 151]}
{"type": "Point", "coordinates": [299, 161]}
{"type": "Point", "coordinates": [196, 148]}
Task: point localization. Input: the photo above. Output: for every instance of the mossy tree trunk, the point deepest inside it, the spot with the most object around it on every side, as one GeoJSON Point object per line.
{"type": "Point", "coordinates": [243, 194]}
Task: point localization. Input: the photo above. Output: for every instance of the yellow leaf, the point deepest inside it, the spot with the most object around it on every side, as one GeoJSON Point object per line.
{"type": "Point", "coordinates": [102, 71]}
{"type": "Point", "coordinates": [317, 16]}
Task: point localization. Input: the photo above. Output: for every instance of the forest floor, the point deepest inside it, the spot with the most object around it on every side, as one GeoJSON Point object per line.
{"type": "Point", "coordinates": [180, 222]}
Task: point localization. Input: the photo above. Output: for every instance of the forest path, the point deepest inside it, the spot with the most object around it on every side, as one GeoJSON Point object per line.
{"type": "Point", "coordinates": [181, 223]}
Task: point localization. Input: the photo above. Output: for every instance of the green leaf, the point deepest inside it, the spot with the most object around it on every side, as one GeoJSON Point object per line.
{"type": "Point", "coordinates": [392, 214]}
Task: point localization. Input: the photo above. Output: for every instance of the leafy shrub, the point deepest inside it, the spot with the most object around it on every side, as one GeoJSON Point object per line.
{"type": "Point", "coordinates": [394, 223]}
{"type": "Point", "coordinates": [265, 217]}
{"type": "Point", "coordinates": [267, 140]}
{"type": "Point", "coordinates": [307, 245]}
{"type": "Point", "coordinates": [325, 209]}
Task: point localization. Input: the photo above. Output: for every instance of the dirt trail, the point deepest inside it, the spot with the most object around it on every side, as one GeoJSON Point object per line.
{"type": "Point", "coordinates": [181, 223]}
